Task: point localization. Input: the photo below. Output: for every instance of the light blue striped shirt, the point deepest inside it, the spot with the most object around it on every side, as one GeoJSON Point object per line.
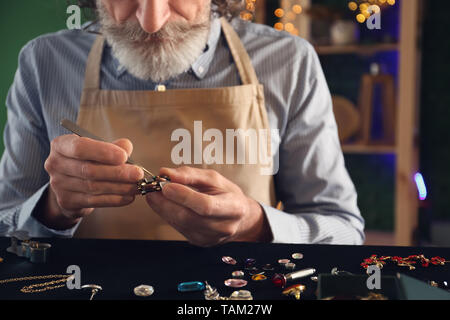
{"type": "Point", "coordinates": [320, 201]}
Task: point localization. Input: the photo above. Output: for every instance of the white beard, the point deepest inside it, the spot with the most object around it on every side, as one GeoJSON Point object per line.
{"type": "Point", "coordinates": [160, 56]}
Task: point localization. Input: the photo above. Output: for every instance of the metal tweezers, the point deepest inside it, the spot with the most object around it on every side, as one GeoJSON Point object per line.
{"type": "Point", "coordinates": [69, 125]}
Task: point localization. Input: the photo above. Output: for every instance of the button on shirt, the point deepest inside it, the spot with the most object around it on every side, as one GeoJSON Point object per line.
{"type": "Point", "coordinates": [319, 198]}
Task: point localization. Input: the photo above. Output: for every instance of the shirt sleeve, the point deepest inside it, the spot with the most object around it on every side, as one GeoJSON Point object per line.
{"type": "Point", "coordinates": [23, 180]}
{"type": "Point", "coordinates": [318, 196]}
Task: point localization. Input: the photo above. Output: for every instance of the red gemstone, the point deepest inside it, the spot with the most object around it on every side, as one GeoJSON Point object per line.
{"type": "Point", "coordinates": [279, 280]}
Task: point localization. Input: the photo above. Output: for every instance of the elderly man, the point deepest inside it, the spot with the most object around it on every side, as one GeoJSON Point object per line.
{"type": "Point", "coordinates": [157, 72]}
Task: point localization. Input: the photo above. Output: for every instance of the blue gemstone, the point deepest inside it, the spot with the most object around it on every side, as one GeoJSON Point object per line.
{"type": "Point", "coordinates": [191, 286]}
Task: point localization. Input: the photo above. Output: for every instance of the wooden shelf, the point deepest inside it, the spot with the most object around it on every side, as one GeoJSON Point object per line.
{"type": "Point", "coordinates": [368, 149]}
{"type": "Point", "coordinates": [357, 49]}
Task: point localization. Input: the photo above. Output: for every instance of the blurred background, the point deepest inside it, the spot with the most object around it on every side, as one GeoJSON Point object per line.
{"type": "Point", "coordinates": [387, 66]}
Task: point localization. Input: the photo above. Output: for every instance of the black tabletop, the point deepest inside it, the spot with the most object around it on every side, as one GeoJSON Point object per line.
{"type": "Point", "coordinates": [120, 265]}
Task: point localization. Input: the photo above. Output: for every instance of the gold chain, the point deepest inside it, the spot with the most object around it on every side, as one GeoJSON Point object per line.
{"type": "Point", "coordinates": [46, 285]}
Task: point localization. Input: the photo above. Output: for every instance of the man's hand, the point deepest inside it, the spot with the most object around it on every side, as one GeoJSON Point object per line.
{"type": "Point", "coordinates": [208, 209]}
{"type": "Point", "coordinates": [86, 174]}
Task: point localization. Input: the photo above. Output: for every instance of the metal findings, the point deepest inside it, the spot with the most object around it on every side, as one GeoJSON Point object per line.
{"type": "Point", "coordinates": [39, 252]}
{"type": "Point", "coordinates": [94, 289]}
{"type": "Point", "coordinates": [290, 266]}
{"type": "Point", "coordinates": [152, 185]}
{"type": "Point", "coordinates": [337, 272]}
{"type": "Point", "coordinates": [295, 290]}
{"type": "Point", "coordinates": [241, 295]}
{"type": "Point", "coordinates": [22, 246]}
{"type": "Point", "coordinates": [211, 293]}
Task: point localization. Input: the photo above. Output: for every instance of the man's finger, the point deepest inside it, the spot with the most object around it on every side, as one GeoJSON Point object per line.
{"type": "Point", "coordinates": [125, 144]}
{"type": "Point", "coordinates": [125, 173]}
{"type": "Point", "coordinates": [81, 148]}
{"type": "Point", "coordinates": [195, 177]}
{"type": "Point", "coordinates": [93, 187]}
{"type": "Point", "coordinates": [203, 204]}
{"type": "Point", "coordinates": [170, 211]}
{"type": "Point", "coordinates": [197, 229]}
{"type": "Point", "coordinates": [76, 200]}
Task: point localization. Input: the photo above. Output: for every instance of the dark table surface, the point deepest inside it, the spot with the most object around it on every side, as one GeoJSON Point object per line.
{"type": "Point", "coordinates": [120, 265]}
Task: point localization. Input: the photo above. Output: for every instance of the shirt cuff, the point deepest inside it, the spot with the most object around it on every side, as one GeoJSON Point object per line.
{"type": "Point", "coordinates": [286, 228]}
{"type": "Point", "coordinates": [26, 222]}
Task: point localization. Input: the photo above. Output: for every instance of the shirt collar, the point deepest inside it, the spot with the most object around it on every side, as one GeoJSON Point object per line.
{"type": "Point", "coordinates": [201, 66]}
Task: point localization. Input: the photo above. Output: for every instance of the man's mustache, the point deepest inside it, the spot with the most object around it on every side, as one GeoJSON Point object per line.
{"type": "Point", "coordinates": [133, 31]}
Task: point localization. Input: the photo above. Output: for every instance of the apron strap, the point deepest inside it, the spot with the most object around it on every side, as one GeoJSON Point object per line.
{"type": "Point", "coordinates": [93, 65]}
{"type": "Point", "coordinates": [240, 55]}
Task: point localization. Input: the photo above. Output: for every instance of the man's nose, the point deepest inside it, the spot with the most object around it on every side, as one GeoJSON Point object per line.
{"type": "Point", "coordinates": [153, 14]}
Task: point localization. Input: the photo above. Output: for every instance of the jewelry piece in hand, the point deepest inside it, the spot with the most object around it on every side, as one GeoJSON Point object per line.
{"type": "Point", "coordinates": [152, 185]}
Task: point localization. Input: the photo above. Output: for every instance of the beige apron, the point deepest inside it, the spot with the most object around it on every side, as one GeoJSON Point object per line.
{"type": "Point", "coordinates": [148, 119]}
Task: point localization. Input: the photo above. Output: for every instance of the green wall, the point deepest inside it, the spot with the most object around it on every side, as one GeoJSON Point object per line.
{"type": "Point", "coordinates": [21, 21]}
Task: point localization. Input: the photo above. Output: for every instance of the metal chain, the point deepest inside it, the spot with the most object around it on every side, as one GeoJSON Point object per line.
{"type": "Point", "coordinates": [46, 285]}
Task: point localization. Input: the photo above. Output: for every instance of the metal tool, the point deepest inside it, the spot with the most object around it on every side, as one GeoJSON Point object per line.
{"type": "Point", "coordinates": [69, 125]}
{"type": "Point", "coordinates": [151, 183]}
